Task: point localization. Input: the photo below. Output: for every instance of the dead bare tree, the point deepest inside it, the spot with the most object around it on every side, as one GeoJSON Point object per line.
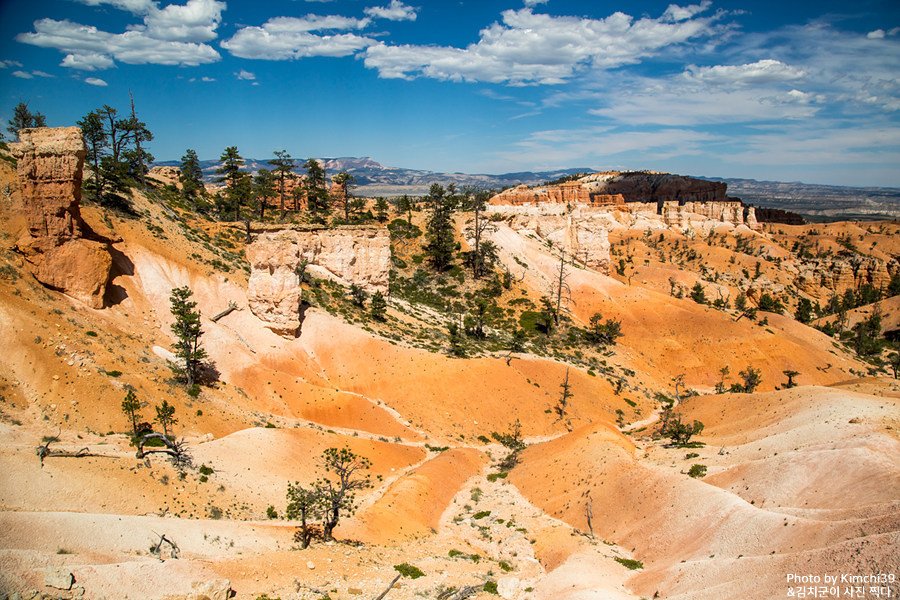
{"type": "Point", "coordinates": [44, 451]}
{"type": "Point", "coordinates": [589, 514]}
{"type": "Point", "coordinates": [177, 450]}
{"type": "Point", "coordinates": [157, 550]}
{"type": "Point", "coordinates": [389, 587]}
{"type": "Point", "coordinates": [561, 289]}
{"type": "Point", "coordinates": [462, 593]}
{"type": "Point", "coordinates": [232, 306]}
{"type": "Point", "coordinates": [562, 404]}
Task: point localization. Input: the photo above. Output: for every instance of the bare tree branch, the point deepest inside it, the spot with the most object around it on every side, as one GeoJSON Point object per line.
{"type": "Point", "coordinates": [389, 587]}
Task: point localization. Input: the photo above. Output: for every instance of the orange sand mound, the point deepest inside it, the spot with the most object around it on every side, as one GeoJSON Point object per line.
{"type": "Point", "coordinates": [412, 506]}
{"type": "Point", "coordinates": [668, 518]}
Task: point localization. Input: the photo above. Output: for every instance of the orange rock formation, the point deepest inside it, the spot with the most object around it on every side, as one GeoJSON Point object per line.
{"type": "Point", "coordinates": [63, 251]}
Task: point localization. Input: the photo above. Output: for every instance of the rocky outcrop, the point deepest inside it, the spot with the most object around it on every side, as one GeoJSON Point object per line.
{"type": "Point", "coordinates": [649, 186]}
{"type": "Point", "coordinates": [360, 256]}
{"type": "Point", "coordinates": [569, 193]}
{"type": "Point", "coordinates": [677, 215]}
{"type": "Point", "coordinates": [63, 252]}
{"type": "Point", "coordinates": [836, 275]}
{"type": "Point", "coordinates": [578, 233]}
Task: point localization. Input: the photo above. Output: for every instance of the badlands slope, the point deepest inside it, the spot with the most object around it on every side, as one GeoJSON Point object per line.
{"type": "Point", "coordinates": [804, 480]}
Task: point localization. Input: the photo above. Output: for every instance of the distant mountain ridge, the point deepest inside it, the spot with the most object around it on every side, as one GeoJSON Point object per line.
{"type": "Point", "coordinates": [816, 201]}
{"type": "Point", "coordinates": [813, 201]}
{"type": "Point", "coordinates": [374, 179]}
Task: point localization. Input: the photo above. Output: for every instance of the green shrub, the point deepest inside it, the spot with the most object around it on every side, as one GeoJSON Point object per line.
{"type": "Point", "coordinates": [204, 470]}
{"type": "Point", "coordinates": [114, 373]}
{"type": "Point", "coordinates": [481, 514]}
{"type": "Point", "coordinates": [630, 563]}
{"type": "Point", "coordinates": [697, 471]}
{"type": "Point", "coordinates": [271, 513]}
{"type": "Point", "coordinates": [408, 570]}
{"type": "Point", "coordinates": [490, 587]}
{"type": "Point", "coordinates": [194, 390]}
{"type": "Point", "coordinates": [91, 333]}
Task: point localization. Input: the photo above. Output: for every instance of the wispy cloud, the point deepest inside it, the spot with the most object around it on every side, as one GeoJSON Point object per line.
{"type": "Point", "coordinates": [760, 72]}
{"type": "Point", "coordinates": [95, 81]}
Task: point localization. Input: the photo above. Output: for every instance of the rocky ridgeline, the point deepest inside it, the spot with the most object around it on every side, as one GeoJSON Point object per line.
{"type": "Point", "coordinates": [614, 188]}
{"type": "Point", "coordinates": [63, 251]}
{"type": "Point", "coordinates": [359, 255]}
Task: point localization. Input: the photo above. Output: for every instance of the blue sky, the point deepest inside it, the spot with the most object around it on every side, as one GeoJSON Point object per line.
{"type": "Point", "coordinates": [790, 91]}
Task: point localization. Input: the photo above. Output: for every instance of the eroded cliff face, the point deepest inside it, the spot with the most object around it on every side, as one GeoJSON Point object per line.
{"type": "Point", "coordinates": [836, 275]}
{"type": "Point", "coordinates": [63, 252]}
{"type": "Point", "coordinates": [582, 237]}
{"type": "Point", "coordinates": [614, 188]}
{"type": "Point", "coordinates": [647, 186]}
{"type": "Point", "coordinates": [360, 256]}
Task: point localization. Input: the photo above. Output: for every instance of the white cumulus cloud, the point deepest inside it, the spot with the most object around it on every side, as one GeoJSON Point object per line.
{"type": "Point", "coordinates": [287, 38]}
{"type": "Point", "coordinates": [529, 48]}
{"type": "Point", "coordinates": [95, 81]}
{"type": "Point", "coordinates": [246, 75]}
{"type": "Point", "coordinates": [168, 36]}
{"type": "Point", "coordinates": [196, 21]}
{"type": "Point", "coordinates": [396, 11]}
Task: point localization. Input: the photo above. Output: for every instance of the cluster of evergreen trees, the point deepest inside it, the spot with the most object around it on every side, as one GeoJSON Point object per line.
{"type": "Point", "coordinates": [117, 152]}
{"type": "Point", "coordinates": [247, 195]}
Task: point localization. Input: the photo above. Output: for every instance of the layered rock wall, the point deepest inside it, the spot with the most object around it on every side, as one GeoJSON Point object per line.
{"type": "Point", "coordinates": [360, 256]}
{"type": "Point", "coordinates": [569, 193]}
{"type": "Point", "coordinates": [838, 275]}
{"type": "Point", "coordinates": [582, 234]}
{"type": "Point", "coordinates": [646, 186]}
{"type": "Point", "coordinates": [63, 251]}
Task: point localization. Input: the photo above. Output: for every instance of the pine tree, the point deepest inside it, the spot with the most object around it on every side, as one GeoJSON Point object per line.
{"type": "Point", "coordinates": [338, 488]}
{"type": "Point", "coordinates": [304, 504]}
{"type": "Point", "coordinates": [263, 189]}
{"type": "Point", "coordinates": [131, 406]}
{"type": "Point", "coordinates": [343, 181]}
{"type": "Point", "coordinates": [440, 241]}
{"type": "Point", "coordinates": [165, 416]}
{"type": "Point", "coordinates": [378, 307]}
{"type": "Point", "coordinates": [187, 333]}
{"type": "Point", "coordinates": [95, 138]}
{"type": "Point", "coordinates": [24, 118]}
{"type": "Point", "coordinates": [237, 191]}
{"type": "Point", "coordinates": [138, 157]}
{"type": "Point", "coordinates": [191, 176]}
{"type": "Point", "coordinates": [283, 164]}
{"type": "Point", "coordinates": [316, 194]}
{"type": "Point", "coordinates": [381, 210]}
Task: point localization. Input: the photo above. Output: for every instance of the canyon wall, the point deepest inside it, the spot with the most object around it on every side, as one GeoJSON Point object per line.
{"type": "Point", "coordinates": [648, 186]}
{"type": "Point", "coordinates": [360, 256]}
{"type": "Point", "coordinates": [836, 275]}
{"type": "Point", "coordinates": [63, 252]}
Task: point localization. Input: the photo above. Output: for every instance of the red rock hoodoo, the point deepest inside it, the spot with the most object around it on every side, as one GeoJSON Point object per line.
{"type": "Point", "coordinates": [56, 241]}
